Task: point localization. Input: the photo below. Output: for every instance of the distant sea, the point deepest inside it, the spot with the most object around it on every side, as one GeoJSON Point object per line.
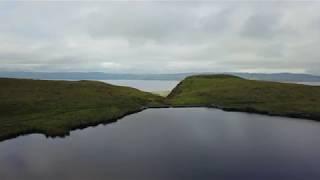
{"type": "Point", "coordinates": [145, 85]}
{"type": "Point", "coordinates": [308, 83]}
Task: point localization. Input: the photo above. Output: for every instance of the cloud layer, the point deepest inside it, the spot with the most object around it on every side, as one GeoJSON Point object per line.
{"type": "Point", "coordinates": [160, 37]}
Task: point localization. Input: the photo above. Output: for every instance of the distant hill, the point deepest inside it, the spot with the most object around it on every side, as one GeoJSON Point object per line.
{"type": "Point", "coordinates": [92, 76]}
{"type": "Point", "coordinates": [288, 77]}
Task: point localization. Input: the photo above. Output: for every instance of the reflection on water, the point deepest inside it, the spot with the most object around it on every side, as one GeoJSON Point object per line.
{"type": "Point", "coordinates": [170, 144]}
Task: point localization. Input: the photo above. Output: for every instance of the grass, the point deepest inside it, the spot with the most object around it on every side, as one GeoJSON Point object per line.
{"type": "Point", "coordinates": [238, 94]}
{"type": "Point", "coordinates": [56, 107]}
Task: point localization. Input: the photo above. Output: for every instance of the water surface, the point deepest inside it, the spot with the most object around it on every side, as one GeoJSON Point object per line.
{"type": "Point", "coordinates": [309, 83]}
{"type": "Point", "coordinates": [145, 85]}
{"type": "Point", "coordinates": [171, 144]}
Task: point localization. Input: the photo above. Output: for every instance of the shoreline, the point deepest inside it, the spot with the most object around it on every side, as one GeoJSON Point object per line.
{"type": "Point", "coordinates": [254, 111]}
{"type": "Point", "coordinates": [113, 120]}
{"type": "Point", "coordinates": [245, 110]}
{"type": "Point", "coordinates": [67, 133]}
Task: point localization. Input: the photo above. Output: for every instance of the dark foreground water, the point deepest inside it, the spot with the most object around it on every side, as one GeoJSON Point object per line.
{"type": "Point", "coordinates": [172, 144]}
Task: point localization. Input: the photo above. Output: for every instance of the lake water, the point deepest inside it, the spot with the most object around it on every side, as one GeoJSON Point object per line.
{"type": "Point", "coordinates": [171, 144]}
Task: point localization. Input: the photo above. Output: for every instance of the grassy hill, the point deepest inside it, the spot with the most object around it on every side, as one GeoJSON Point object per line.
{"type": "Point", "coordinates": [56, 107]}
{"type": "Point", "coordinates": [233, 93]}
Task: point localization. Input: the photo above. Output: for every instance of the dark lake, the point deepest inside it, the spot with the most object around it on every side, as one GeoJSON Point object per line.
{"type": "Point", "coordinates": [171, 144]}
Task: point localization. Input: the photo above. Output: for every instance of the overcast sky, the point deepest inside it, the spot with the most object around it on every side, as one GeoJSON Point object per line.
{"type": "Point", "coordinates": [160, 37]}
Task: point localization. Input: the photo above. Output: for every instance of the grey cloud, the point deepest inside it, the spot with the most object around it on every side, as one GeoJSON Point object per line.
{"type": "Point", "coordinates": [217, 23]}
{"type": "Point", "coordinates": [262, 26]}
{"type": "Point", "coordinates": [140, 21]}
{"type": "Point", "coordinates": [273, 51]}
{"type": "Point", "coordinates": [160, 22]}
{"type": "Point", "coordinates": [162, 37]}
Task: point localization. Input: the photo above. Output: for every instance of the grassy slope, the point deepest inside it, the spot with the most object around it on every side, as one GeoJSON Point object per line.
{"type": "Point", "coordinates": [56, 107]}
{"type": "Point", "coordinates": [234, 93]}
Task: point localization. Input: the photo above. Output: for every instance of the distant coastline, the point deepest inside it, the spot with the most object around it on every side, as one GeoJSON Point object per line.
{"type": "Point", "coordinates": [281, 77]}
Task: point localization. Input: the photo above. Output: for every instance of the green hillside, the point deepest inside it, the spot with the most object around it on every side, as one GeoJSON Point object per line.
{"type": "Point", "coordinates": [233, 93]}
{"type": "Point", "coordinates": [56, 107]}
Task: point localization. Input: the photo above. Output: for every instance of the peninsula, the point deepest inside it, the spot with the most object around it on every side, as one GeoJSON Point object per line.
{"type": "Point", "coordinates": [233, 93]}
